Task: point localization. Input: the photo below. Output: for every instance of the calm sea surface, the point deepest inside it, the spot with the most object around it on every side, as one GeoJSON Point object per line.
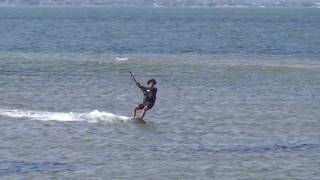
{"type": "Point", "coordinates": [238, 93]}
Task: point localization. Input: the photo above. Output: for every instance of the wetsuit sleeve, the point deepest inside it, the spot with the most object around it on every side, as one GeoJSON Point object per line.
{"type": "Point", "coordinates": [144, 89]}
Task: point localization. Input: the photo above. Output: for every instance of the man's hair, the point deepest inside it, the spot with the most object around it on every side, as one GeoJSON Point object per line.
{"type": "Point", "coordinates": [152, 81]}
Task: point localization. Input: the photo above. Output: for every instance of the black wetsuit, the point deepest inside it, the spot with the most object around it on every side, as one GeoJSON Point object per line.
{"type": "Point", "coordinates": [150, 95]}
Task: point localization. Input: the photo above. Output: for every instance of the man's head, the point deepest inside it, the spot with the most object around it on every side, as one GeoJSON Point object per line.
{"type": "Point", "coordinates": [152, 82]}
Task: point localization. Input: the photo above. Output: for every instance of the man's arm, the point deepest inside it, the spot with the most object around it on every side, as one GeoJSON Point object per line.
{"type": "Point", "coordinates": [144, 89]}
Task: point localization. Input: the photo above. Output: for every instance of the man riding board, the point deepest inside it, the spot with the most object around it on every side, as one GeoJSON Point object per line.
{"type": "Point", "coordinates": [150, 95]}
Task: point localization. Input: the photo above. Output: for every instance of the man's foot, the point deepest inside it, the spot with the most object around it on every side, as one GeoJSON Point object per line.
{"type": "Point", "coordinates": [139, 119]}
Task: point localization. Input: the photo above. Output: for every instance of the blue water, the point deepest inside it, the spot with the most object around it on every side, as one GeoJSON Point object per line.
{"type": "Point", "coordinates": [247, 31]}
{"type": "Point", "coordinates": [238, 93]}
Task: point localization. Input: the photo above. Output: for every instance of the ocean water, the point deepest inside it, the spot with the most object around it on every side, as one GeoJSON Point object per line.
{"type": "Point", "coordinates": [238, 93]}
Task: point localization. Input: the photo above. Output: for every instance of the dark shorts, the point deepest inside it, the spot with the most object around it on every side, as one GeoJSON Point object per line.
{"type": "Point", "coordinates": [141, 106]}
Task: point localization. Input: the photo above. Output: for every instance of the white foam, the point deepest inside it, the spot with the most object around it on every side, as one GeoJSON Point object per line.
{"type": "Point", "coordinates": [93, 117]}
{"type": "Point", "coordinates": [122, 58]}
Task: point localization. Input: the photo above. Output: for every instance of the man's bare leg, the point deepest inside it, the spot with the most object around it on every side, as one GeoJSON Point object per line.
{"type": "Point", "coordinates": [144, 110]}
{"type": "Point", "coordinates": [135, 111]}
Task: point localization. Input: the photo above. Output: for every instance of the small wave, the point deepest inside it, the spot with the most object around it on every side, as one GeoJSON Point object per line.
{"type": "Point", "coordinates": [93, 117]}
{"type": "Point", "coordinates": [242, 149]}
{"type": "Point", "coordinates": [22, 167]}
{"type": "Point", "coordinates": [302, 64]}
{"type": "Point", "coordinates": [122, 58]}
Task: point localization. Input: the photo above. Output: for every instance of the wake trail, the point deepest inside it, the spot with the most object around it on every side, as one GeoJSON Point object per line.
{"type": "Point", "coordinates": [92, 117]}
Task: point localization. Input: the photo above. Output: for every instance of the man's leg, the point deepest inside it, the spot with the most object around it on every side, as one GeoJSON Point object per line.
{"type": "Point", "coordinates": [144, 110]}
{"type": "Point", "coordinates": [135, 111]}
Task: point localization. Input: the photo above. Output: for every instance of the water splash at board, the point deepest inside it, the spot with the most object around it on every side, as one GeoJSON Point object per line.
{"type": "Point", "coordinates": [92, 117]}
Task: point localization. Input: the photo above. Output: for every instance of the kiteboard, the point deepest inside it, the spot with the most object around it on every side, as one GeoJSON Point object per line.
{"type": "Point", "coordinates": [138, 120]}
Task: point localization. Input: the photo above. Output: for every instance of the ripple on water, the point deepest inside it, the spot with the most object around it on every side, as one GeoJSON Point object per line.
{"type": "Point", "coordinates": [8, 167]}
